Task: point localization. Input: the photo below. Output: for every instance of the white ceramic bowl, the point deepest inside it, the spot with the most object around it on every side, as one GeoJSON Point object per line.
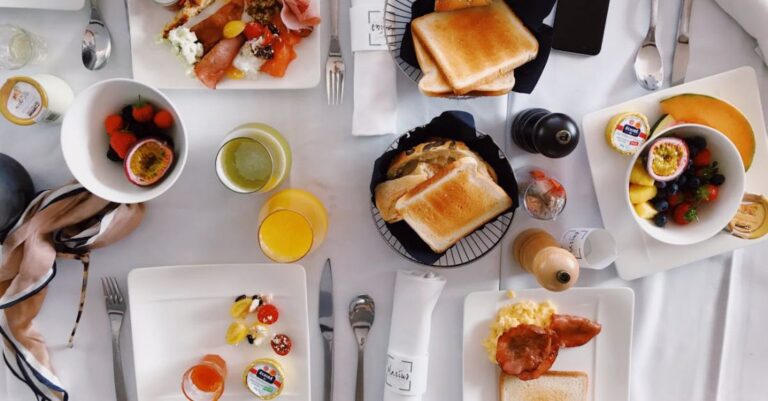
{"type": "Point", "coordinates": [84, 141]}
{"type": "Point", "coordinates": [714, 216]}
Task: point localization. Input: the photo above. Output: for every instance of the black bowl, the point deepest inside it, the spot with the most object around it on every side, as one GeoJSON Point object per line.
{"type": "Point", "coordinates": [400, 236]}
{"type": "Point", "coordinates": [16, 191]}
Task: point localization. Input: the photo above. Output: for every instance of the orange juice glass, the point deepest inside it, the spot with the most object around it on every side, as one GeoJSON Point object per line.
{"type": "Point", "coordinates": [293, 222]}
{"type": "Point", "coordinates": [205, 381]}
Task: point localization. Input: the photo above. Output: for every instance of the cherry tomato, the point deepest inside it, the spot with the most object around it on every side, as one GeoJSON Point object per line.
{"type": "Point", "coordinates": [253, 30]}
{"type": "Point", "coordinates": [267, 314]}
{"type": "Point", "coordinates": [282, 344]}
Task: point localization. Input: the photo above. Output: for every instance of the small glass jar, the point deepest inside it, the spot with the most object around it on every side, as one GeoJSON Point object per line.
{"type": "Point", "coordinates": [19, 47]}
{"type": "Point", "coordinates": [205, 381]}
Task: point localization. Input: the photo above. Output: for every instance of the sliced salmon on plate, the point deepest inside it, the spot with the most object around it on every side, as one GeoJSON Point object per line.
{"type": "Point", "coordinates": [211, 69]}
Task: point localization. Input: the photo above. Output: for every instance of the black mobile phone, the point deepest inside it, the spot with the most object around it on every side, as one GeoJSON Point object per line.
{"type": "Point", "coordinates": [579, 26]}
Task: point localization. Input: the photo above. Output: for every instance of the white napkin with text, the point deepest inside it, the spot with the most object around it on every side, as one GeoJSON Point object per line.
{"type": "Point", "coordinates": [416, 293]}
{"type": "Point", "coordinates": [375, 83]}
{"type": "Point", "coordinates": [752, 16]}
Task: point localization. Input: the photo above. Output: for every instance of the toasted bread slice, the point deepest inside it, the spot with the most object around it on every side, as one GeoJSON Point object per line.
{"type": "Point", "coordinates": [387, 193]}
{"type": "Point", "coordinates": [449, 5]}
{"type": "Point", "coordinates": [551, 386]}
{"type": "Point", "coordinates": [433, 82]}
{"type": "Point", "coordinates": [452, 204]}
{"type": "Point", "coordinates": [476, 45]}
{"type": "Point", "coordinates": [434, 154]}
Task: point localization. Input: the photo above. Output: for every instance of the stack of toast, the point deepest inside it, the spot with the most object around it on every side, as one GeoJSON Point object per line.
{"type": "Point", "coordinates": [471, 47]}
{"type": "Point", "coordinates": [443, 190]}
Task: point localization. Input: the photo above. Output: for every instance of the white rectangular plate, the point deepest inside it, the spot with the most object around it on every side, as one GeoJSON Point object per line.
{"type": "Point", "coordinates": [155, 65]}
{"type": "Point", "coordinates": [180, 313]}
{"type": "Point", "coordinates": [44, 4]}
{"type": "Point", "coordinates": [605, 359]}
{"type": "Point", "coordinates": [639, 254]}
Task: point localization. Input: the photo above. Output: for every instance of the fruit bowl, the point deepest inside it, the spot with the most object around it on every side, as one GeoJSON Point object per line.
{"type": "Point", "coordinates": [712, 216]}
{"type": "Point", "coordinates": [84, 141]}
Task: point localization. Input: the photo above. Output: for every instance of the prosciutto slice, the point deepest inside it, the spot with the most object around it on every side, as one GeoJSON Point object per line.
{"type": "Point", "coordinates": [209, 31]}
{"type": "Point", "coordinates": [214, 64]}
{"type": "Point", "coordinates": [298, 15]}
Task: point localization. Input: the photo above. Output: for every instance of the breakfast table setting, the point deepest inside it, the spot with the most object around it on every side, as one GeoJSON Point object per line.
{"type": "Point", "coordinates": [165, 264]}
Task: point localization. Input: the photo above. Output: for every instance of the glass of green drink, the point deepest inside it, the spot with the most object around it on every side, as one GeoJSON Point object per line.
{"type": "Point", "coordinates": [253, 158]}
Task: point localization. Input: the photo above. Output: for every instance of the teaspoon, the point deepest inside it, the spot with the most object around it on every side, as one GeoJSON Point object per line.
{"type": "Point", "coordinates": [648, 65]}
{"type": "Point", "coordinates": [361, 313]}
{"type": "Point", "coordinates": [97, 43]}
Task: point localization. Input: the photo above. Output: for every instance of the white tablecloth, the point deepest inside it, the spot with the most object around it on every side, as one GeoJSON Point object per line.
{"type": "Point", "coordinates": [683, 348]}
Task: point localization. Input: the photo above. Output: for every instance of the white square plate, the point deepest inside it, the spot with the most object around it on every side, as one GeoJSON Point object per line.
{"type": "Point", "coordinates": [638, 253]}
{"type": "Point", "coordinates": [155, 65]}
{"type": "Point", "coordinates": [44, 4]}
{"type": "Point", "coordinates": [605, 359]}
{"type": "Point", "coordinates": [180, 313]}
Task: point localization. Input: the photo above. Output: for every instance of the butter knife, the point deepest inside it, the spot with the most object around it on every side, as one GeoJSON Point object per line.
{"type": "Point", "coordinates": [680, 61]}
{"type": "Point", "coordinates": [325, 318]}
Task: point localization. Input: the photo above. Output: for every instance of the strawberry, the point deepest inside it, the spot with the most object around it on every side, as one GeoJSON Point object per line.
{"type": "Point", "coordinates": [114, 122]}
{"type": "Point", "coordinates": [707, 193]}
{"type": "Point", "coordinates": [684, 213]}
{"type": "Point", "coordinates": [163, 119]}
{"type": "Point", "coordinates": [676, 199]}
{"type": "Point", "coordinates": [703, 158]}
{"type": "Point", "coordinates": [121, 142]}
{"type": "Point", "coordinates": [142, 111]}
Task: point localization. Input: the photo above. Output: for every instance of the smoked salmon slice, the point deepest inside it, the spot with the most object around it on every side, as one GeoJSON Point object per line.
{"type": "Point", "coordinates": [210, 30]}
{"type": "Point", "coordinates": [214, 64]}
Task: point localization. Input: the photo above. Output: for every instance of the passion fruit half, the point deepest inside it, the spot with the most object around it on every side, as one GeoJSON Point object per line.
{"type": "Point", "coordinates": [667, 159]}
{"type": "Point", "coordinates": [148, 162]}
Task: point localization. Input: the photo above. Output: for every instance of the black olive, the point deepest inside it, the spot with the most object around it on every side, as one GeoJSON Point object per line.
{"type": "Point", "coordinates": [250, 339]}
{"type": "Point", "coordinates": [240, 298]}
{"type": "Point", "coordinates": [273, 29]}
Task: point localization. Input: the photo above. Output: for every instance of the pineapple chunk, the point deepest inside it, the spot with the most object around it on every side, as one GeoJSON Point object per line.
{"type": "Point", "coordinates": [641, 193]}
{"type": "Point", "coordinates": [645, 210]}
{"type": "Point", "coordinates": [640, 176]}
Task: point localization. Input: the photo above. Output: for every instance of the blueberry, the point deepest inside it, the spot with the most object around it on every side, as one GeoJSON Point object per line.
{"type": "Point", "coordinates": [717, 179]}
{"type": "Point", "coordinates": [660, 184]}
{"type": "Point", "coordinates": [660, 220]}
{"type": "Point", "coordinates": [682, 180]}
{"type": "Point", "coordinates": [672, 188]}
{"type": "Point", "coordinates": [694, 182]}
{"type": "Point", "coordinates": [661, 205]}
{"type": "Point", "coordinates": [127, 113]}
{"type": "Point", "coordinates": [112, 155]}
{"type": "Point", "coordinates": [697, 142]}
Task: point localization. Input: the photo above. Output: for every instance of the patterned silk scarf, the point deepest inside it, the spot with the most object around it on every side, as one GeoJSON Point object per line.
{"type": "Point", "coordinates": [66, 222]}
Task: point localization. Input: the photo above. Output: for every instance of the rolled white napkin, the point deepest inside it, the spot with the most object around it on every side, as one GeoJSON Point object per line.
{"type": "Point", "coordinates": [416, 294]}
{"type": "Point", "coordinates": [752, 16]}
{"type": "Point", "coordinates": [375, 83]}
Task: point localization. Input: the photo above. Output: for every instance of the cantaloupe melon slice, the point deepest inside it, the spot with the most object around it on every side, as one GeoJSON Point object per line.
{"type": "Point", "coordinates": [713, 112]}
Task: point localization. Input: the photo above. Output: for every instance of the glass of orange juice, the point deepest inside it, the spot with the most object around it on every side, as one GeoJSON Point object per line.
{"type": "Point", "coordinates": [293, 222]}
{"type": "Point", "coordinates": [205, 381]}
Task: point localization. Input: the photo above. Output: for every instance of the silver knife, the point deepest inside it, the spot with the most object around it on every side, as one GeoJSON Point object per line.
{"type": "Point", "coordinates": [680, 61]}
{"type": "Point", "coordinates": [325, 318]}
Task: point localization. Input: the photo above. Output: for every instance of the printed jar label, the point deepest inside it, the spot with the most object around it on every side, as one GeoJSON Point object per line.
{"type": "Point", "coordinates": [25, 102]}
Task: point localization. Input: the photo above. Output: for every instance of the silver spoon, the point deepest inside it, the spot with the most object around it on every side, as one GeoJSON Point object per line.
{"type": "Point", "coordinates": [361, 313]}
{"type": "Point", "coordinates": [649, 68]}
{"type": "Point", "coordinates": [97, 43]}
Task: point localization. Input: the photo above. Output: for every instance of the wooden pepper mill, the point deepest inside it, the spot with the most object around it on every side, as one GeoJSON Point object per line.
{"type": "Point", "coordinates": [539, 254]}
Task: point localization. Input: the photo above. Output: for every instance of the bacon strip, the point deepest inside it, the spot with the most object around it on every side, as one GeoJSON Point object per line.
{"type": "Point", "coordinates": [297, 15]}
{"type": "Point", "coordinates": [574, 331]}
{"type": "Point", "coordinates": [211, 69]}
{"type": "Point", "coordinates": [210, 30]}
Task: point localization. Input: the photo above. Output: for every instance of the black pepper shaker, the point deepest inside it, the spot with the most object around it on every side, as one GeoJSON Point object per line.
{"type": "Point", "coordinates": [537, 130]}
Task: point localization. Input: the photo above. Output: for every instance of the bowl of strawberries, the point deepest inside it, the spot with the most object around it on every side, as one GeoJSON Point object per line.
{"type": "Point", "coordinates": [124, 141]}
{"type": "Point", "coordinates": [685, 184]}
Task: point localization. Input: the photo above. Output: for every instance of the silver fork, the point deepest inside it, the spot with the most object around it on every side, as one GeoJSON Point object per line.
{"type": "Point", "coordinates": [115, 311]}
{"type": "Point", "coordinates": [334, 66]}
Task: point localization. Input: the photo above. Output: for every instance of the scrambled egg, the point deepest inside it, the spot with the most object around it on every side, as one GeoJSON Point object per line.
{"type": "Point", "coordinates": [523, 312]}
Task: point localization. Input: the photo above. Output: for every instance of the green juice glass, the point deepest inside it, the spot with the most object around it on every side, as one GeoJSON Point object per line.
{"type": "Point", "coordinates": [254, 157]}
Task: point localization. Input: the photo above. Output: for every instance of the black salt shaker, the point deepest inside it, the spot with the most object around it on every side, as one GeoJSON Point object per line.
{"type": "Point", "coordinates": [536, 130]}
